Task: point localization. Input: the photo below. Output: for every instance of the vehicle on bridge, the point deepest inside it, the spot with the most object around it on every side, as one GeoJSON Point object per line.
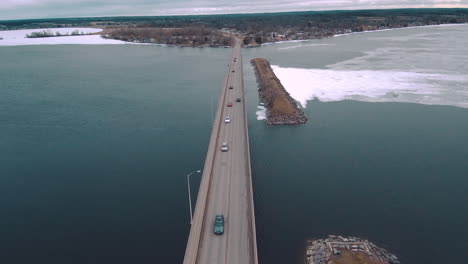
{"type": "Point", "coordinates": [219, 225]}
{"type": "Point", "coordinates": [227, 119]}
{"type": "Point", "coordinates": [229, 105]}
{"type": "Point", "coordinates": [224, 147]}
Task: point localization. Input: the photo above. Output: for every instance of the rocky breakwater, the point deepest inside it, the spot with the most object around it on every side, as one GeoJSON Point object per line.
{"type": "Point", "coordinates": [281, 108]}
{"type": "Point", "coordinates": [349, 250]}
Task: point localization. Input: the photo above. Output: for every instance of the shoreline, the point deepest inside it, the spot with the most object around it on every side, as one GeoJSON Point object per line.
{"type": "Point", "coordinates": [99, 39]}
{"type": "Point", "coordinates": [92, 36]}
{"type": "Point", "coordinates": [399, 28]}
{"type": "Point", "coordinates": [357, 32]}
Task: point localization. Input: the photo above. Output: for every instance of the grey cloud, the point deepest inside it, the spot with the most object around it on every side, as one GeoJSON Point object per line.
{"type": "Point", "coordinates": [17, 9]}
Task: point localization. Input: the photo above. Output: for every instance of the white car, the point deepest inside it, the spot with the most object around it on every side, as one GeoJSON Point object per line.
{"type": "Point", "coordinates": [227, 119]}
{"type": "Point", "coordinates": [225, 147]}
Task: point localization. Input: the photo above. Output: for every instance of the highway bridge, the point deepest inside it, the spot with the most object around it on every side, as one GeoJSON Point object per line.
{"type": "Point", "coordinates": [226, 185]}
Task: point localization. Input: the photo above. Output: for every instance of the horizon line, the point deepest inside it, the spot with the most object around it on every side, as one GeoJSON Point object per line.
{"type": "Point", "coordinates": [234, 13]}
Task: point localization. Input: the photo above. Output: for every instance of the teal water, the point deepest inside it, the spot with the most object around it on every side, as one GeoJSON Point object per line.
{"type": "Point", "coordinates": [393, 173]}
{"type": "Point", "coordinates": [378, 171]}
{"type": "Point", "coordinates": [97, 140]}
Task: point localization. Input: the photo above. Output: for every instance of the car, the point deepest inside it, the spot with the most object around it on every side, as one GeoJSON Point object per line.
{"type": "Point", "coordinates": [231, 87]}
{"type": "Point", "coordinates": [224, 147]}
{"type": "Point", "coordinates": [233, 71]}
{"type": "Point", "coordinates": [229, 105]}
{"type": "Point", "coordinates": [227, 119]}
{"type": "Point", "coordinates": [219, 224]}
{"type": "Point", "coordinates": [238, 100]}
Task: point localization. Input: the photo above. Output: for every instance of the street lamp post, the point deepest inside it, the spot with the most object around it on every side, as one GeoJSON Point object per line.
{"type": "Point", "coordinates": [190, 196]}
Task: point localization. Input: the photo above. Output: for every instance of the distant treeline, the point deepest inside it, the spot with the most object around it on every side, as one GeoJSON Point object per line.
{"type": "Point", "coordinates": [245, 21]}
{"type": "Point", "coordinates": [252, 28]}
{"type": "Point", "coordinates": [49, 33]}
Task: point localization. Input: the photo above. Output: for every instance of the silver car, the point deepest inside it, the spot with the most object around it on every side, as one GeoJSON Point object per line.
{"type": "Point", "coordinates": [225, 147]}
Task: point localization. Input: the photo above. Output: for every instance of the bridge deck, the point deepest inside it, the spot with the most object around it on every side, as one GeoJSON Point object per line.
{"type": "Point", "coordinates": [226, 186]}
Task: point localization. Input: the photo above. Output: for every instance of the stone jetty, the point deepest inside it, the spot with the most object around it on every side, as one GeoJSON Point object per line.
{"type": "Point", "coordinates": [350, 250]}
{"type": "Point", "coordinates": [281, 108]}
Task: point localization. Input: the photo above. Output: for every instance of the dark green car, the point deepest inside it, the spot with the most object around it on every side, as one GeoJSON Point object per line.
{"type": "Point", "coordinates": [219, 225]}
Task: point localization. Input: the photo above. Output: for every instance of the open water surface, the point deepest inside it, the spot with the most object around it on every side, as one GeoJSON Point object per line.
{"type": "Point", "coordinates": [97, 140]}
{"type": "Point", "coordinates": [394, 173]}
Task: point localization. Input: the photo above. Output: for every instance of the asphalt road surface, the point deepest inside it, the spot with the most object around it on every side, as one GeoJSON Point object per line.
{"type": "Point", "coordinates": [227, 184]}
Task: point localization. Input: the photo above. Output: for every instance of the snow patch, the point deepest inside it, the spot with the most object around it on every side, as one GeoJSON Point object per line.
{"type": "Point", "coordinates": [329, 85]}
{"type": "Point", "coordinates": [306, 45]}
{"type": "Point", "coordinates": [261, 113]}
{"type": "Point", "coordinates": [18, 37]}
{"type": "Point", "coordinates": [398, 28]}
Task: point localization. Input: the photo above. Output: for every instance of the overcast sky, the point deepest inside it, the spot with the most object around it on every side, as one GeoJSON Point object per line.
{"type": "Point", "coordinates": [18, 9]}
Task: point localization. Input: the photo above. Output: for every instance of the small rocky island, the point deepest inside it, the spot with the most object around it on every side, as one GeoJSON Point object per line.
{"type": "Point", "coordinates": [346, 250]}
{"type": "Point", "coordinates": [281, 108]}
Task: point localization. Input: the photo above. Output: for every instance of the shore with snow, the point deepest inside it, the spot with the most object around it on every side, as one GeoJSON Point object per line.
{"type": "Point", "coordinates": [353, 33]}
{"type": "Point", "coordinates": [18, 37]}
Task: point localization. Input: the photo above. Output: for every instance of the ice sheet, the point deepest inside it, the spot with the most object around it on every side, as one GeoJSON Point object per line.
{"type": "Point", "coordinates": [373, 86]}
{"type": "Point", "coordinates": [18, 37]}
